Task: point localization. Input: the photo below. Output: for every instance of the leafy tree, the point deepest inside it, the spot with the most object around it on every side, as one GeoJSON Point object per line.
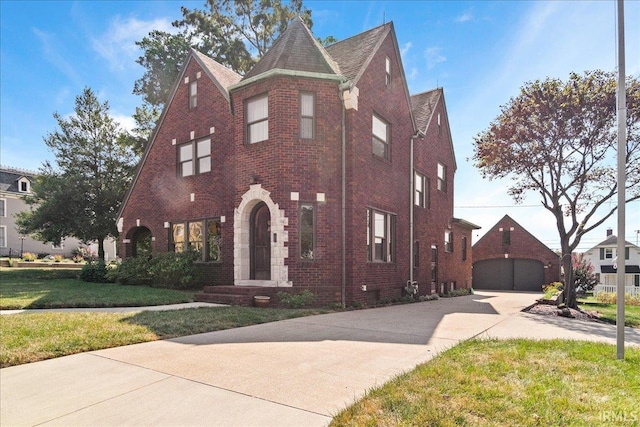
{"type": "Point", "coordinates": [583, 272]}
{"type": "Point", "coordinates": [559, 139]}
{"type": "Point", "coordinates": [235, 33]}
{"type": "Point", "coordinates": [81, 196]}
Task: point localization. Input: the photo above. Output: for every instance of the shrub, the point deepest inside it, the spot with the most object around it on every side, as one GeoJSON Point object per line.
{"type": "Point", "coordinates": [297, 300]}
{"type": "Point", "coordinates": [58, 258]}
{"type": "Point", "coordinates": [174, 270]}
{"type": "Point", "coordinates": [612, 298]}
{"type": "Point", "coordinates": [94, 271]}
{"type": "Point", "coordinates": [131, 270]}
{"type": "Point", "coordinates": [29, 256]}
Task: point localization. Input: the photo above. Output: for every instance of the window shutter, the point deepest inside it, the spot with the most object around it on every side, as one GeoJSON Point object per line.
{"type": "Point", "coordinates": [626, 253]}
{"type": "Point", "coordinates": [601, 253]}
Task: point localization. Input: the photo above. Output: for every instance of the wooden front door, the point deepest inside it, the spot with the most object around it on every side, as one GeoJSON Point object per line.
{"type": "Point", "coordinates": [260, 243]}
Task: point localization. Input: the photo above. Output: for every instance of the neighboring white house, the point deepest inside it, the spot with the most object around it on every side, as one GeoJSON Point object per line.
{"type": "Point", "coordinates": [14, 185]}
{"type": "Point", "coordinates": [604, 258]}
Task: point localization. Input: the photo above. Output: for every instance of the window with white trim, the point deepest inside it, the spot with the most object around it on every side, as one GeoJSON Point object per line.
{"type": "Point", "coordinates": [421, 190]}
{"type": "Point", "coordinates": [448, 241]}
{"type": "Point", "coordinates": [257, 119]}
{"type": "Point", "coordinates": [307, 115]}
{"type": "Point", "coordinates": [24, 185]}
{"type": "Point", "coordinates": [381, 137]}
{"type": "Point", "coordinates": [387, 69]}
{"type": "Point", "coordinates": [194, 157]}
{"type": "Point", "coordinates": [3, 208]}
{"type": "Point", "coordinates": [3, 236]}
{"type": "Point", "coordinates": [307, 231]}
{"type": "Point", "coordinates": [380, 236]}
{"type": "Point", "coordinates": [193, 94]}
{"type": "Point", "coordinates": [442, 178]}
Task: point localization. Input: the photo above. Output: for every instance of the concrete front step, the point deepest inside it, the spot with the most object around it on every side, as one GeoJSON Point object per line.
{"type": "Point", "coordinates": [233, 295]}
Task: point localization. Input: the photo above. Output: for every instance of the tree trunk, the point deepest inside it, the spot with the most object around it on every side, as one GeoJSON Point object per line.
{"type": "Point", "coordinates": [101, 248]}
{"type": "Point", "coordinates": [569, 286]}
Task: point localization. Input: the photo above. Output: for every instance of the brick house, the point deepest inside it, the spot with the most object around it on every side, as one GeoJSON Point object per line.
{"type": "Point", "coordinates": [300, 175]}
{"type": "Point", "coordinates": [508, 257]}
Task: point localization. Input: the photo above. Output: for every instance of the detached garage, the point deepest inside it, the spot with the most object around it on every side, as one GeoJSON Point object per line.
{"type": "Point", "coordinates": [508, 257]}
{"type": "Point", "coordinates": [510, 274]}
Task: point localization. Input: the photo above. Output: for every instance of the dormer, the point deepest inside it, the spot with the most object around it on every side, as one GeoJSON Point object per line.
{"type": "Point", "coordinates": [24, 185]}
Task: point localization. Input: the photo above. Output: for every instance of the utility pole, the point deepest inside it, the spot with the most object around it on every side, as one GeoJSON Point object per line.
{"type": "Point", "coordinates": [622, 145]}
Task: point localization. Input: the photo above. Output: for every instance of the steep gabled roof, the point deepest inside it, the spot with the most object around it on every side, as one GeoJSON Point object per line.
{"type": "Point", "coordinates": [354, 54]}
{"type": "Point", "coordinates": [508, 218]}
{"type": "Point", "coordinates": [221, 76]}
{"type": "Point", "coordinates": [9, 178]}
{"type": "Point", "coordinates": [423, 106]}
{"type": "Point", "coordinates": [295, 50]}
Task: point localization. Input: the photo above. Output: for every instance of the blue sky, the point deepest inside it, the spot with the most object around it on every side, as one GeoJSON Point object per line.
{"type": "Point", "coordinates": [480, 52]}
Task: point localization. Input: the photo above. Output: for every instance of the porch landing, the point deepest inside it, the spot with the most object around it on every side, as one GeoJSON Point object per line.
{"type": "Point", "coordinates": [235, 295]}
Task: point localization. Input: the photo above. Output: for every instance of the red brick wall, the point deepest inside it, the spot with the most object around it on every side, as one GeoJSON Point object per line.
{"type": "Point", "coordinates": [160, 195]}
{"type": "Point", "coordinates": [523, 245]}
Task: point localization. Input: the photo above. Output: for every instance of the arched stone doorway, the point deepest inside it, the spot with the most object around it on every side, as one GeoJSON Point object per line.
{"type": "Point", "coordinates": [257, 205]}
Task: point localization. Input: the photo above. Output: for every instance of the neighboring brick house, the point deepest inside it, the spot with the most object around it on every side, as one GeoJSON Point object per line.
{"type": "Point", "coordinates": [508, 257]}
{"type": "Point", "coordinates": [299, 174]}
{"type": "Point", "coordinates": [604, 258]}
{"type": "Point", "coordinates": [14, 185]}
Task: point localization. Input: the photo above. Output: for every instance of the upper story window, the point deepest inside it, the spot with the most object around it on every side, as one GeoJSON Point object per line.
{"type": "Point", "coordinates": [448, 241]}
{"type": "Point", "coordinates": [257, 119]}
{"type": "Point", "coordinates": [381, 137]}
{"type": "Point", "coordinates": [3, 208]}
{"type": "Point", "coordinates": [380, 236]}
{"type": "Point", "coordinates": [506, 237]}
{"type": "Point", "coordinates": [24, 185]}
{"type": "Point", "coordinates": [606, 253]}
{"type": "Point", "coordinates": [421, 190]}
{"type": "Point", "coordinates": [387, 69]}
{"type": "Point", "coordinates": [307, 231]}
{"type": "Point", "coordinates": [442, 178]}
{"type": "Point", "coordinates": [3, 236]}
{"type": "Point", "coordinates": [194, 157]}
{"type": "Point", "coordinates": [307, 115]}
{"type": "Point", "coordinates": [464, 248]}
{"type": "Point", "coordinates": [193, 94]}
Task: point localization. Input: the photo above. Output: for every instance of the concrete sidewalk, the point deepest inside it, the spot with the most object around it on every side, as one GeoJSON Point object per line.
{"type": "Point", "coordinates": [297, 372]}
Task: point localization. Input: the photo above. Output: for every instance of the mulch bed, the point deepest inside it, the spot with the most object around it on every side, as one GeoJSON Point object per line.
{"type": "Point", "coordinates": [546, 309]}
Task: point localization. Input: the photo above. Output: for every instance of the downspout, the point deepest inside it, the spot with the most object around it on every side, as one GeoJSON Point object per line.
{"type": "Point", "coordinates": [412, 195]}
{"type": "Point", "coordinates": [343, 288]}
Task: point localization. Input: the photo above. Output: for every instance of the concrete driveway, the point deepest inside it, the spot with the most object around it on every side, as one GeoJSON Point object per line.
{"type": "Point", "coordinates": [296, 372]}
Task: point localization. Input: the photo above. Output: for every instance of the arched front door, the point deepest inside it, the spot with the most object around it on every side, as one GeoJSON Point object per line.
{"type": "Point", "coordinates": [260, 243]}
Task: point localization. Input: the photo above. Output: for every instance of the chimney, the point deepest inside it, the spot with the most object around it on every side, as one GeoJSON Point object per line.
{"type": "Point", "coordinates": [609, 232]}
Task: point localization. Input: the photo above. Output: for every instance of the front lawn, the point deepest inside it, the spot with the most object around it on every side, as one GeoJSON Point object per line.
{"type": "Point", "coordinates": [509, 383]}
{"type": "Point", "coordinates": [43, 288]}
{"type": "Point", "coordinates": [31, 337]}
{"type": "Point", "coordinates": [608, 311]}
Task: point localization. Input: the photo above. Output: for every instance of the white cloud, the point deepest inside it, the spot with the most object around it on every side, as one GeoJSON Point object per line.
{"type": "Point", "coordinates": [51, 48]}
{"type": "Point", "coordinates": [405, 49]}
{"type": "Point", "coordinates": [126, 122]}
{"type": "Point", "coordinates": [118, 44]}
{"type": "Point", "coordinates": [434, 56]}
{"type": "Point", "coordinates": [467, 15]}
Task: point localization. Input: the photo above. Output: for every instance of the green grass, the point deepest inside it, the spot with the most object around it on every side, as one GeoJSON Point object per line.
{"type": "Point", "coordinates": [608, 311]}
{"type": "Point", "coordinates": [32, 337]}
{"type": "Point", "coordinates": [509, 383]}
{"type": "Point", "coordinates": [50, 288]}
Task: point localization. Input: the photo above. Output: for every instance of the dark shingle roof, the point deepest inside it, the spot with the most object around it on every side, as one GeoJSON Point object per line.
{"type": "Point", "coordinates": [9, 179]}
{"type": "Point", "coordinates": [218, 72]}
{"type": "Point", "coordinates": [296, 49]}
{"type": "Point", "coordinates": [423, 105]}
{"type": "Point", "coordinates": [354, 54]}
